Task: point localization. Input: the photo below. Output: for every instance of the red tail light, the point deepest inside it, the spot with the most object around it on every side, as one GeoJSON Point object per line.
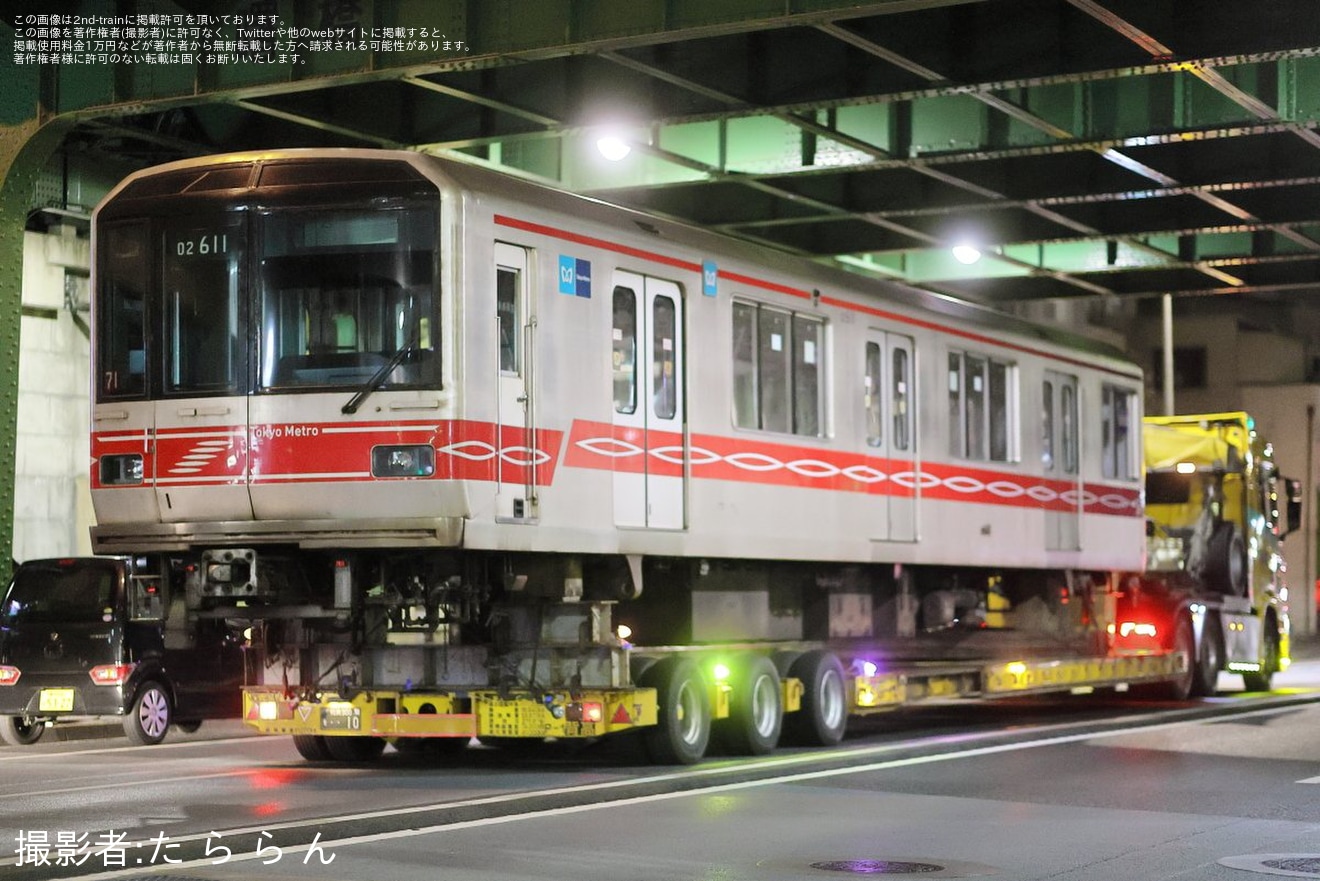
{"type": "Point", "coordinates": [110, 674]}
{"type": "Point", "coordinates": [9, 675]}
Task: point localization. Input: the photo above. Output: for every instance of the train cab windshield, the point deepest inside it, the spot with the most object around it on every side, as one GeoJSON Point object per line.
{"type": "Point", "coordinates": [236, 290]}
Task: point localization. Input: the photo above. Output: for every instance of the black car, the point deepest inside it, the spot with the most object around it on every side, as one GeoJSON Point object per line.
{"type": "Point", "coordinates": [90, 637]}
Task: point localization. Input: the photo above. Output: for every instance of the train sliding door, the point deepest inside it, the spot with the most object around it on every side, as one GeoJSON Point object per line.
{"type": "Point", "coordinates": [889, 397]}
{"type": "Point", "coordinates": [1059, 458]}
{"type": "Point", "coordinates": [649, 403]}
{"type": "Point", "coordinates": [515, 467]}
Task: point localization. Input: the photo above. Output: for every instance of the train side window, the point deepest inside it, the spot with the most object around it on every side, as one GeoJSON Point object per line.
{"type": "Point", "coordinates": [1047, 425]}
{"type": "Point", "coordinates": [773, 361]}
{"type": "Point", "coordinates": [957, 442]}
{"type": "Point", "coordinates": [745, 411]}
{"type": "Point", "coordinates": [899, 399]}
{"type": "Point", "coordinates": [808, 342]}
{"type": "Point", "coordinates": [1117, 417]}
{"type": "Point", "coordinates": [1068, 428]}
{"type": "Point", "coordinates": [508, 284]}
{"type": "Point", "coordinates": [624, 336]}
{"type": "Point", "coordinates": [778, 380]}
{"type": "Point", "coordinates": [983, 415]}
{"type": "Point", "coordinates": [871, 398]}
{"type": "Point", "coordinates": [663, 358]}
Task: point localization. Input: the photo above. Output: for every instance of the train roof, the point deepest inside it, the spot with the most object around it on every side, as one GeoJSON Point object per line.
{"type": "Point", "coordinates": [500, 183]}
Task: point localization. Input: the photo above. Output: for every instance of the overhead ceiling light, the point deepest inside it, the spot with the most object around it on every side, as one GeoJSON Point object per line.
{"type": "Point", "coordinates": [613, 147]}
{"type": "Point", "coordinates": [966, 254]}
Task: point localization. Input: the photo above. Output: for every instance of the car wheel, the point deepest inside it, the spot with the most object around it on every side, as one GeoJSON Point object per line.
{"type": "Point", "coordinates": [17, 731]}
{"type": "Point", "coordinates": [148, 719]}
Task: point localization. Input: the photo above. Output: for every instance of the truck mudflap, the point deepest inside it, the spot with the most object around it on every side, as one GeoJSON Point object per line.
{"type": "Point", "coordinates": [874, 692]}
{"type": "Point", "coordinates": [396, 714]}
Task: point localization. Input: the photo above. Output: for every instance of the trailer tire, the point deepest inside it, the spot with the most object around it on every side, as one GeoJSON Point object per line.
{"type": "Point", "coordinates": [311, 747]}
{"type": "Point", "coordinates": [756, 710]}
{"type": "Point", "coordinates": [1226, 561]}
{"type": "Point", "coordinates": [1209, 658]}
{"type": "Point", "coordinates": [682, 730]}
{"type": "Point", "coordinates": [823, 716]}
{"type": "Point", "coordinates": [149, 717]}
{"type": "Point", "coordinates": [355, 748]}
{"type": "Point", "coordinates": [1180, 688]}
{"type": "Point", "coordinates": [17, 731]}
{"type": "Point", "coordinates": [1269, 664]}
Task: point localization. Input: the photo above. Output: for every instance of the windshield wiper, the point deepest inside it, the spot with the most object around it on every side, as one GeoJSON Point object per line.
{"type": "Point", "coordinates": [378, 379]}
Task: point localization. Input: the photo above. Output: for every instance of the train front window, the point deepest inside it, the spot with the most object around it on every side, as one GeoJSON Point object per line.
{"type": "Point", "coordinates": [345, 292]}
{"type": "Point", "coordinates": [121, 329]}
{"type": "Point", "coordinates": [201, 271]}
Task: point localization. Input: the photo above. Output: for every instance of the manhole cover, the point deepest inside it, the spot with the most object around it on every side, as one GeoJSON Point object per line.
{"type": "Point", "coordinates": [1289, 865]}
{"type": "Point", "coordinates": [877, 867]}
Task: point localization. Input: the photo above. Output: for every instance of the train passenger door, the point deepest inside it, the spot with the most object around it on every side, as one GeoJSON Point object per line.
{"type": "Point", "coordinates": [889, 399]}
{"type": "Point", "coordinates": [201, 421]}
{"type": "Point", "coordinates": [515, 466]}
{"type": "Point", "coordinates": [649, 402]}
{"type": "Point", "coordinates": [1059, 459]}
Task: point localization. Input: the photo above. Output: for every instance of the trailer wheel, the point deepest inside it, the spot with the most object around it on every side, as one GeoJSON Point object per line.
{"type": "Point", "coordinates": [682, 730]}
{"type": "Point", "coordinates": [1209, 658]}
{"type": "Point", "coordinates": [1260, 680]}
{"type": "Point", "coordinates": [756, 713]}
{"type": "Point", "coordinates": [1179, 688]}
{"type": "Point", "coordinates": [824, 713]}
{"type": "Point", "coordinates": [1226, 561]}
{"type": "Point", "coordinates": [148, 719]}
{"type": "Point", "coordinates": [17, 731]}
{"type": "Point", "coordinates": [311, 747]}
{"type": "Point", "coordinates": [355, 748]}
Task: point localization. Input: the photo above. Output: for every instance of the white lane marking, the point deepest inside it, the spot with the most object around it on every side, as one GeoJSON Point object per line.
{"type": "Point", "coordinates": [1310, 780]}
{"type": "Point", "coordinates": [633, 800]}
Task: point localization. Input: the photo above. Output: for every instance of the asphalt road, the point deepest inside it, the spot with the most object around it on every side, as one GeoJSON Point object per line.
{"type": "Point", "coordinates": [1072, 789]}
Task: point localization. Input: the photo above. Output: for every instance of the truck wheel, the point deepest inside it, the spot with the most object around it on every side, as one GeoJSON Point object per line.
{"type": "Point", "coordinates": [1209, 658]}
{"type": "Point", "coordinates": [1260, 681]}
{"type": "Point", "coordinates": [1226, 561]}
{"type": "Point", "coordinates": [824, 713]}
{"type": "Point", "coordinates": [355, 748]}
{"type": "Point", "coordinates": [756, 712]}
{"type": "Point", "coordinates": [311, 747]}
{"type": "Point", "coordinates": [148, 719]}
{"type": "Point", "coordinates": [17, 731]}
{"type": "Point", "coordinates": [682, 730]}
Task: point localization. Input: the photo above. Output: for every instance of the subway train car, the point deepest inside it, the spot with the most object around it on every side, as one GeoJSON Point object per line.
{"type": "Point", "coordinates": [436, 427]}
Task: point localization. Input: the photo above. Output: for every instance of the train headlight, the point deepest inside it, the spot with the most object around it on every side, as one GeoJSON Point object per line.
{"type": "Point", "coordinates": [123, 470]}
{"type": "Point", "coordinates": [411, 460]}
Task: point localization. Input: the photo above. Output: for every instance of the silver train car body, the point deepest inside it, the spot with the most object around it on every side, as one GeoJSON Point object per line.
{"type": "Point", "coordinates": [581, 384]}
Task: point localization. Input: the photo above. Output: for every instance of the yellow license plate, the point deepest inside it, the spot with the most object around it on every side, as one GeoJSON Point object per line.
{"type": "Point", "coordinates": [56, 700]}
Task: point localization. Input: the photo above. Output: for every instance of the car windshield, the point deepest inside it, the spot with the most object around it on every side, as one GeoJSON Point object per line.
{"type": "Point", "coordinates": [65, 592]}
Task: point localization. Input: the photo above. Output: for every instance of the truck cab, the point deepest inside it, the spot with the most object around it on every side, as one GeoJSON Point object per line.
{"type": "Point", "coordinates": [87, 638]}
